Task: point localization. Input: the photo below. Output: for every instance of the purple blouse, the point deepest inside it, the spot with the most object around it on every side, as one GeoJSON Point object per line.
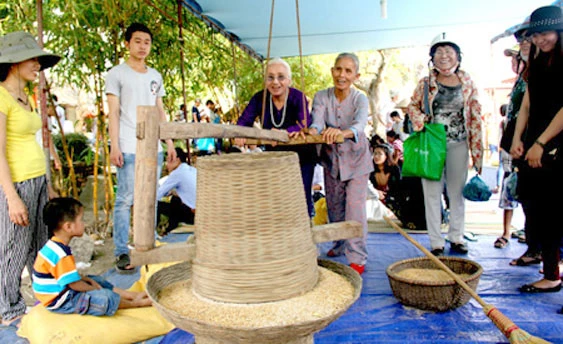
{"type": "Point", "coordinates": [293, 114]}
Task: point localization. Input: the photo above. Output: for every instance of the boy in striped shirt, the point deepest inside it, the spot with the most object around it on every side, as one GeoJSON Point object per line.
{"type": "Point", "coordinates": [56, 282]}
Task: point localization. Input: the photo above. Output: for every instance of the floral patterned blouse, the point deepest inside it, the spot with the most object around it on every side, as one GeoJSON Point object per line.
{"type": "Point", "coordinates": [471, 111]}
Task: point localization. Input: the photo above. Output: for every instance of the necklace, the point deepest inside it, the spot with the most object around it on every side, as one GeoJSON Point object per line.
{"type": "Point", "coordinates": [16, 95]}
{"type": "Point", "coordinates": [26, 103]}
{"type": "Point", "coordinates": [283, 112]}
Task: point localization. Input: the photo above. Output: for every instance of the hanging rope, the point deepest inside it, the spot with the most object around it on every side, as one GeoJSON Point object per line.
{"type": "Point", "coordinates": [233, 52]}
{"type": "Point", "coordinates": [266, 64]}
{"type": "Point", "coordinates": [304, 124]}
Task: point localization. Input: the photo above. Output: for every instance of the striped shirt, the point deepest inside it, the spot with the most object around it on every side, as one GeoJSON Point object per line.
{"type": "Point", "coordinates": [53, 271]}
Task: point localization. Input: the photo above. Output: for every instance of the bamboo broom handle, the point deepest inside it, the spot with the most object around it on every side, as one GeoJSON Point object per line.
{"type": "Point", "coordinates": [438, 262]}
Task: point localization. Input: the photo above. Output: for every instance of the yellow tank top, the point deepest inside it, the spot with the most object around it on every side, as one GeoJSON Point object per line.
{"type": "Point", "coordinates": [25, 157]}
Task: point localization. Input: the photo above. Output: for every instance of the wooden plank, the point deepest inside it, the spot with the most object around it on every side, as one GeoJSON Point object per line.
{"type": "Point", "coordinates": [176, 252]}
{"type": "Point", "coordinates": [146, 161]}
{"type": "Point", "coordinates": [337, 231]}
{"type": "Point", "coordinates": [170, 130]}
{"type": "Point", "coordinates": [309, 139]}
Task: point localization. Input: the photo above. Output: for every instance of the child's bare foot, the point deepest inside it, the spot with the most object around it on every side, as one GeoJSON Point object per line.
{"type": "Point", "coordinates": [141, 295]}
{"type": "Point", "coordinates": [144, 301]}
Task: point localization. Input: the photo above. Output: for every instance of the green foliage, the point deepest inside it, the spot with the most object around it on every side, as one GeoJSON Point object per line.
{"type": "Point", "coordinates": [78, 147]}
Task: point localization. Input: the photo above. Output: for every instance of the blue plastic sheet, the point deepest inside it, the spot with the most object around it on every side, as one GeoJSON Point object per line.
{"type": "Point", "coordinates": [377, 317]}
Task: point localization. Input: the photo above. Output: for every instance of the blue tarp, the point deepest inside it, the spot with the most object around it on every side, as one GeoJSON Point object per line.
{"type": "Point", "coordinates": [377, 317]}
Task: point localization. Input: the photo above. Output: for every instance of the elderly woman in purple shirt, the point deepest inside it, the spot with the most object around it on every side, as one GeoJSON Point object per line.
{"type": "Point", "coordinates": [343, 110]}
{"type": "Point", "coordinates": [286, 109]}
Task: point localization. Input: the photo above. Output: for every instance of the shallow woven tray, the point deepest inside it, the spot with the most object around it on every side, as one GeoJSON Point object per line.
{"type": "Point", "coordinates": [204, 332]}
{"type": "Point", "coordinates": [433, 295]}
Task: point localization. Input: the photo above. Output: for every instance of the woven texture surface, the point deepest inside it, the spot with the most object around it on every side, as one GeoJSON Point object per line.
{"type": "Point", "coordinates": [433, 295]}
{"type": "Point", "coordinates": [298, 333]}
{"type": "Point", "coordinates": [253, 234]}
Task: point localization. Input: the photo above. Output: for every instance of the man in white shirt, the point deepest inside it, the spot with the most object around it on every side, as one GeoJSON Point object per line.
{"type": "Point", "coordinates": [181, 183]}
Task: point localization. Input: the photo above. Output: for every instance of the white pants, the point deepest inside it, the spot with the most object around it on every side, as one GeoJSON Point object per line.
{"type": "Point", "coordinates": [455, 177]}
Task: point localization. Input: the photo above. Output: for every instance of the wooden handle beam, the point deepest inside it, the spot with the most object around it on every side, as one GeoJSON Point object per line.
{"type": "Point", "coordinates": [337, 231]}
{"type": "Point", "coordinates": [309, 139]}
{"type": "Point", "coordinates": [170, 130]}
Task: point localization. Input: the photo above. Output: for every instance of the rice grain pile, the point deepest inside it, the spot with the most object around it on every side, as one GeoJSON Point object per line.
{"type": "Point", "coordinates": [331, 294]}
{"type": "Point", "coordinates": [428, 275]}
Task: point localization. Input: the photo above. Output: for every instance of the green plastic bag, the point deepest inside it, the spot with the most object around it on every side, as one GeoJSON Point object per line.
{"type": "Point", "coordinates": [425, 153]}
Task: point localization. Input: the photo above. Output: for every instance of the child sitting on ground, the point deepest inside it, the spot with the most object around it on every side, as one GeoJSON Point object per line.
{"type": "Point", "coordinates": [56, 282]}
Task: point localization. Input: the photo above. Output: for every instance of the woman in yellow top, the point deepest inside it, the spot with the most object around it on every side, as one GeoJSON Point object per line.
{"type": "Point", "coordinates": [23, 185]}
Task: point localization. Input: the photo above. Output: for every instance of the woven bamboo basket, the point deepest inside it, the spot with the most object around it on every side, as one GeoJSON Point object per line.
{"type": "Point", "coordinates": [433, 295]}
{"type": "Point", "coordinates": [253, 233]}
{"type": "Point", "coordinates": [205, 333]}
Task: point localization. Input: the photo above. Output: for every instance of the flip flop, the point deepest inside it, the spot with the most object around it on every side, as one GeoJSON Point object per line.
{"type": "Point", "coordinates": [122, 265]}
{"type": "Point", "coordinates": [501, 242]}
{"type": "Point", "coordinates": [521, 262]}
{"type": "Point", "coordinates": [470, 236]}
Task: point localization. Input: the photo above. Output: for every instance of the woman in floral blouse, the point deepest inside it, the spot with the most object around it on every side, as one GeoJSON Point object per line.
{"type": "Point", "coordinates": [452, 100]}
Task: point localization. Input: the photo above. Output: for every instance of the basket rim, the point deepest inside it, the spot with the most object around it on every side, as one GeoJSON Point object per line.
{"type": "Point", "coordinates": [343, 270]}
{"type": "Point", "coordinates": [391, 274]}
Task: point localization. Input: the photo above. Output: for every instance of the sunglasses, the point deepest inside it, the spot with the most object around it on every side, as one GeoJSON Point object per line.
{"type": "Point", "coordinates": [523, 39]}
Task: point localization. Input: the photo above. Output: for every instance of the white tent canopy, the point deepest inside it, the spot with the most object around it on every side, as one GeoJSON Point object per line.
{"type": "Point", "coordinates": [329, 26]}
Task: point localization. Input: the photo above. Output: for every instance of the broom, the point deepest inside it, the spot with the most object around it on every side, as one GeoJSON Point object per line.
{"type": "Point", "coordinates": [514, 334]}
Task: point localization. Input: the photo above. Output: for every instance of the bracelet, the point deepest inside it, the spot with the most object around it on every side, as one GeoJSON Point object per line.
{"type": "Point", "coordinates": [541, 144]}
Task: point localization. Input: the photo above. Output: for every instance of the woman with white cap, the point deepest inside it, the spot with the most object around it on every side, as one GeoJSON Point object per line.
{"type": "Point", "coordinates": [23, 185]}
{"type": "Point", "coordinates": [452, 101]}
{"type": "Point", "coordinates": [538, 139]}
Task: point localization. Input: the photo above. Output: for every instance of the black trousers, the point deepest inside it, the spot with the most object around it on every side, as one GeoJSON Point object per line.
{"type": "Point", "coordinates": [176, 211]}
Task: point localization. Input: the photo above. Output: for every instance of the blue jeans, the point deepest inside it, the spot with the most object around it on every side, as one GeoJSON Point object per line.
{"type": "Point", "coordinates": [94, 302]}
{"type": "Point", "coordinates": [124, 201]}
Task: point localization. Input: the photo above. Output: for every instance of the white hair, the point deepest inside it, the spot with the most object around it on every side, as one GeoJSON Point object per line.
{"type": "Point", "coordinates": [277, 60]}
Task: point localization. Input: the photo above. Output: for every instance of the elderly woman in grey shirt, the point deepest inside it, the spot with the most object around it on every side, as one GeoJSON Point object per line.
{"type": "Point", "coordinates": [343, 110]}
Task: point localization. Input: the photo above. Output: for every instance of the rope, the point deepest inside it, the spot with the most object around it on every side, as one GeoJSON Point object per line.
{"type": "Point", "coordinates": [266, 64]}
{"type": "Point", "coordinates": [304, 124]}
{"type": "Point", "coordinates": [233, 52]}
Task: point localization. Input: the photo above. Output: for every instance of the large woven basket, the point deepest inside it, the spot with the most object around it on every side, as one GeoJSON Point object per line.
{"type": "Point", "coordinates": [297, 333]}
{"type": "Point", "coordinates": [433, 295]}
{"type": "Point", "coordinates": [253, 233]}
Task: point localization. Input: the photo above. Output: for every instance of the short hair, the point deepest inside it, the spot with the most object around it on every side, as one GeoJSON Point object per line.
{"type": "Point", "coordinates": [60, 210]}
{"type": "Point", "coordinates": [352, 56]}
{"type": "Point", "coordinates": [182, 106]}
{"type": "Point", "coordinates": [181, 154]}
{"type": "Point", "coordinates": [395, 114]}
{"type": "Point", "coordinates": [55, 98]}
{"type": "Point", "coordinates": [392, 133]}
{"type": "Point", "coordinates": [209, 102]}
{"type": "Point", "coordinates": [277, 60]}
{"type": "Point", "coordinates": [136, 27]}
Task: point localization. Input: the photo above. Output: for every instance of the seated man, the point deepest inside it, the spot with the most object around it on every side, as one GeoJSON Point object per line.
{"type": "Point", "coordinates": [181, 178]}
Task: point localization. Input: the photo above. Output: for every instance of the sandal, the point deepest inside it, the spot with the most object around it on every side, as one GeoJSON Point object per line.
{"type": "Point", "coordinates": [501, 242]}
{"type": "Point", "coordinates": [527, 259]}
{"type": "Point", "coordinates": [122, 264]}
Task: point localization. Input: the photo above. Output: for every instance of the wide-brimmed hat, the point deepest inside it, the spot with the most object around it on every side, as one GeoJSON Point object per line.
{"type": "Point", "coordinates": [547, 18]}
{"type": "Point", "coordinates": [522, 29]}
{"type": "Point", "coordinates": [20, 46]}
